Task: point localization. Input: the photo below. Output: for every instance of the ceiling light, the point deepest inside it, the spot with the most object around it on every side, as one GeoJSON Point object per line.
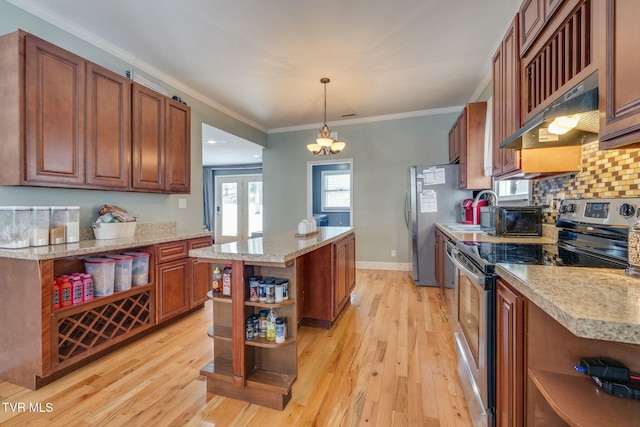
{"type": "Point", "coordinates": [563, 124]}
{"type": "Point", "coordinates": [325, 144]}
{"type": "Point", "coordinates": [211, 141]}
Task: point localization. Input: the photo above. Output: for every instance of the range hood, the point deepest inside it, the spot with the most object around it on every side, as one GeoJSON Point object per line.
{"type": "Point", "coordinates": [580, 101]}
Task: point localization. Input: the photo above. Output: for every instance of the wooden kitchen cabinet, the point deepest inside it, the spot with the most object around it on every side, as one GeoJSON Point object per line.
{"type": "Point", "coordinates": [469, 129]}
{"type": "Point", "coordinates": [182, 282]}
{"type": "Point", "coordinates": [148, 145]}
{"type": "Point", "coordinates": [454, 143]}
{"type": "Point", "coordinates": [54, 106]}
{"type": "Point", "coordinates": [619, 91]}
{"type": "Point", "coordinates": [108, 153]}
{"type": "Point", "coordinates": [562, 54]}
{"type": "Point", "coordinates": [177, 147]}
{"type": "Point", "coordinates": [161, 142]}
{"type": "Point", "coordinates": [201, 274]}
{"type": "Point", "coordinates": [67, 122]}
{"type": "Point", "coordinates": [506, 100]}
{"type": "Point", "coordinates": [327, 282]}
{"type": "Point", "coordinates": [510, 374]}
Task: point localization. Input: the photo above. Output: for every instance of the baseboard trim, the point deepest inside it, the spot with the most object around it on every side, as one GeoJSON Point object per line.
{"type": "Point", "coordinates": [396, 266]}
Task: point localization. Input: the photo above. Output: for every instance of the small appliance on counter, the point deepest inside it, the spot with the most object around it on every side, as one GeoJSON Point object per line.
{"type": "Point", "coordinates": [511, 221]}
{"type": "Point", "coordinates": [471, 214]}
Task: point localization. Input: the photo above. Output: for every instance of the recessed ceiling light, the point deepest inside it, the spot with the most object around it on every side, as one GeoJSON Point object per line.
{"type": "Point", "coordinates": [211, 141]}
{"type": "Point", "coordinates": [257, 156]}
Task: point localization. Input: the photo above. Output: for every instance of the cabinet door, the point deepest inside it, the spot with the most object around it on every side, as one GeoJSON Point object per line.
{"type": "Point", "coordinates": [532, 18]}
{"type": "Point", "coordinates": [497, 113]}
{"type": "Point", "coordinates": [178, 146]}
{"type": "Point", "coordinates": [340, 269]}
{"type": "Point", "coordinates": [511, 94]}
{"type": "Point", "coordinates": [351, 263]}
{"type": "Point", "coordinates": [509, 357]}
{"type": "Point", "coordinates": [462, 147]}
{"type": "Point", "coordinates": [619, 91]}
{"type": "Point", "coordinates": [108, 128]}
{"type": "Point", "coordinates": [172, 286]}
{"type": "Point", "coordinates": [55, 89]}
{"type": "Point", "coordinates": [454, 143]}
{"type": "Point", "coordinates": [201, 274]}
{"type": "Point", "coordinates": [148, 166]}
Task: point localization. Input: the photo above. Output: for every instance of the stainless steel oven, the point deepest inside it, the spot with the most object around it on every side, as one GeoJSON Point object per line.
{"type": "Point", "coordinates": [473, 331]}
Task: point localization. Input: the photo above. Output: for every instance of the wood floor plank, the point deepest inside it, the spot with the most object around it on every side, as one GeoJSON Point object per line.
{"type": "Point", "coordinates": [387, 361]}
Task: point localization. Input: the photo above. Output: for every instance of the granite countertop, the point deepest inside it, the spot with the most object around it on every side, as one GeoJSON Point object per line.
{"type": "Point", "coordinates": [595, 303]}
{"type": "Point", "coordinates": [277, 248]}
{"type": "Point", "coordinates": [146, 234]}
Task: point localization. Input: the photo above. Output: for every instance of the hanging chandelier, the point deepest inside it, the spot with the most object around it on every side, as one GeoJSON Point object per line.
{"type": "Point", "coordinates": [325, 144]}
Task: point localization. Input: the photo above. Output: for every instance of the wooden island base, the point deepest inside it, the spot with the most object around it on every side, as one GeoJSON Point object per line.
{"type": "Point", "coordinates": [321, 274]}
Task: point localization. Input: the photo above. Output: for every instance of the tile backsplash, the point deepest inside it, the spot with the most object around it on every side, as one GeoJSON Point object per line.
{"type": "Point", "coordinates": [605, 173]}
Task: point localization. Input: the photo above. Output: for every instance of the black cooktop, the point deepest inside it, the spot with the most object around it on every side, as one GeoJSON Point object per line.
{"type": "Point", "coordinates": [489, 254]}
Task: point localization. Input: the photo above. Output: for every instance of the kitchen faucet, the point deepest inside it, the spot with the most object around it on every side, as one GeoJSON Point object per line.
{"type": "Point", "coordinates": [493, 202]}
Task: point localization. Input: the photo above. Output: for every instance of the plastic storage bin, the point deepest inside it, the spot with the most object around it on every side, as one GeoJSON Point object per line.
{"type": "Point", "coordinates": [72, 224]}
{"type": "Point", "coordinates": [103, 272]}
{"type": "Point", "coordinates": [139, 268]}
{"type": "Point", "coordinates": [57, 224]}
{"type": "Point", "coordinates": [39, 235]}
{"type": "Point", "coordinates": [122, 280]}
{"type": "Point", "coordinates": [15, 226]}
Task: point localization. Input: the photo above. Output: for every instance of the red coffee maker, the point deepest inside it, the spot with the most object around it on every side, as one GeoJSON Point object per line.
{"type": "Point", "coordinates": [471, 214]}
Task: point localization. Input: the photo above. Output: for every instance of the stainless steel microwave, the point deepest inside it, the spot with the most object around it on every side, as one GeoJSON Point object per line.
{"type": "Point", "coordinates": [511, 220]}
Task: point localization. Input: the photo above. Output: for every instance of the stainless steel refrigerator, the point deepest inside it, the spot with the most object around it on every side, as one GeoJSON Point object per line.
{"type": "Point", "coordinates": [433, 197]}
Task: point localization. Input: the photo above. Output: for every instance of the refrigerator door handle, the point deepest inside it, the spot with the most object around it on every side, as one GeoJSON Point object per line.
{"type": "Point", "coordinates": [407, 208]}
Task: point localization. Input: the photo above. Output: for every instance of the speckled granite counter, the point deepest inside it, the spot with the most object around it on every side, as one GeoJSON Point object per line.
{"type": "Point", "coordinates": [594, 303]}
{"type": "Point", "coordinates": [277, 248]}
{"type": "Point", "coordinates": [549, 235]}
{"type": "Point", "coordinates": [146, 234]}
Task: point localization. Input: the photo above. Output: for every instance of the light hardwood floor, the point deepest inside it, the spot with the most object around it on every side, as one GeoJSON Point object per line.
{"type": "Point", "coordinates": [388, 361]}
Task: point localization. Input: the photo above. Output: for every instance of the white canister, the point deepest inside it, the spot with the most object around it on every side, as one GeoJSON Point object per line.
{"type": "Point", "coordinates": [302, 227]}
{"type": "Point", "coordinates": [39, 235]}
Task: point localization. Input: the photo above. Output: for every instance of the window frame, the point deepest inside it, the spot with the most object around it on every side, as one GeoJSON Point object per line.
{"type": "Point", "coordinates": [323, 191]}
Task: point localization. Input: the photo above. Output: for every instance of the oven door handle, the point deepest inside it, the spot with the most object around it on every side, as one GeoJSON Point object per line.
{"type": "Point", "coordinates": [453, 254]}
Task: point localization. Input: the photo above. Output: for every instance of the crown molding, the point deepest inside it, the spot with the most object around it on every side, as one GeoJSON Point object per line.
{"type": "Point", "coordinates": [481, 87]}
{"type": "Point", "coordinates": [91, 38]}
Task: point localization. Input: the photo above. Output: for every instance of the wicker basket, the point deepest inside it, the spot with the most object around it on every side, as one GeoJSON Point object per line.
{"type": "Point", "coordinates": [113, 230]}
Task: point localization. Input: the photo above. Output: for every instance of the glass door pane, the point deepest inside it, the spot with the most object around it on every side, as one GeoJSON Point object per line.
{"type": "Point", "coordinates": [229, 212]}
{"type": "Point", "coordinates": [254, 207]}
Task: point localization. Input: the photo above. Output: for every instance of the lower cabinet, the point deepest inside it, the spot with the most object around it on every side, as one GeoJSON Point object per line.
{"type": "Point", "coordinates": [509, 356]}
{"type": "Point", "coordinates": [182, 282]}
{"type": "Point", "coordinates": [328, 279]}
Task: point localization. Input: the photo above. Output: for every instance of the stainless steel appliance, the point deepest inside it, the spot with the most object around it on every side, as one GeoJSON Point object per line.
{"type": "Point", "coordinates": [511, 221]}
{"type": "Point", "coordinates": [591, 233]}
{"type": "Point", "coordinates": [433, 197]}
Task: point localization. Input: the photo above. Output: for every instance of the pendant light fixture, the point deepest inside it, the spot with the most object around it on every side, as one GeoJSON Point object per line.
{"type": "Point", "coordinates": [325, 144]}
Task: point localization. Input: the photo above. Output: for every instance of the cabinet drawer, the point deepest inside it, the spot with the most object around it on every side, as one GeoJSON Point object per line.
{"type": "Point", "coordinates": [202, 242]}
{"type": "Point", "coordinates": [172, 251]}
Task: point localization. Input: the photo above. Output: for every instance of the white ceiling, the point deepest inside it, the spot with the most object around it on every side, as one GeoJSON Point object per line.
{"type": "Point", "coordinates": [261, 61]}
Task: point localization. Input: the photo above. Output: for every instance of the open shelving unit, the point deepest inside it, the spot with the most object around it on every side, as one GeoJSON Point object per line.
{"type": "Point", "coordinates": [257, 370]}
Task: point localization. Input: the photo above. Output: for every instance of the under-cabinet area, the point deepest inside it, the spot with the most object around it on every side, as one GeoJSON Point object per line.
{"type": "Point", "coordinates": [49, 341]}
{"type": "Point", "coordinates": [316, 274]}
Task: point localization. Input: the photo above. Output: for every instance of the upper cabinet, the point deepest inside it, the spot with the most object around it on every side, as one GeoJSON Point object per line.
{"type": "Point", "coordinates": [618, 88]}
{"type": "Point", "coordinates": [559, 56]}
{"type": "Point", "coordinates": [67, 122]}
{"type": "Point", "coordinates": [468, 133]}
{"type": "Point", "coordinates": [54, 106]}
{"type": "Point", "coordinates": [506, 100]}
{"type": "Point", "coordinates": [108, 152]}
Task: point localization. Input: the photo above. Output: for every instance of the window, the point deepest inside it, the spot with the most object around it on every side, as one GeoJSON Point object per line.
{"type": "Point", "coordinates": [336, 190]}
{"type": "Point", "coordinates": [517, 189]}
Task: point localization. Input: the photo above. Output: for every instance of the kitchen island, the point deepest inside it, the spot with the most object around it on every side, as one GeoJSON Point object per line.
{"type": "Point", "coordinates": [320, 271]}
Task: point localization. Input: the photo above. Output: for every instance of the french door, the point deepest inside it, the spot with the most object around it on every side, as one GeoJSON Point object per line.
{"type": "Point", "coordinates": [238, 207]}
